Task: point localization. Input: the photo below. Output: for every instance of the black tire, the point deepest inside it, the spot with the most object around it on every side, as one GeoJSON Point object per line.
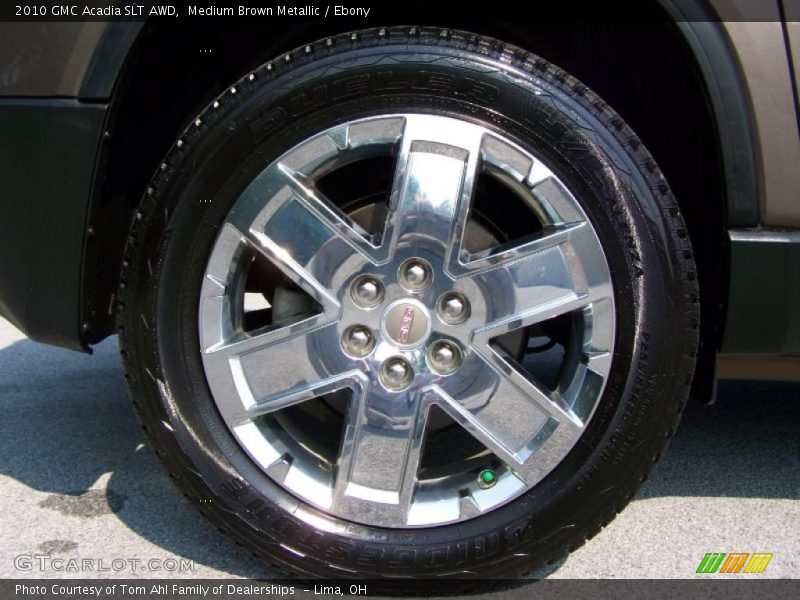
{"type": "Point", "coordinates": [270, 110]}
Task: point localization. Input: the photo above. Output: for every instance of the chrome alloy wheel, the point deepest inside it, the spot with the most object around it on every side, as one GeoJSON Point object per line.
{"type": "Point", "coordinates": [405, 319]}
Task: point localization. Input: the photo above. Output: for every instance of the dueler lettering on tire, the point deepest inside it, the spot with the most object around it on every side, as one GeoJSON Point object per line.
{"type": "Point", "coordinates": [385, 81]}
{"type": "Point", "coordinates": [438, 318]}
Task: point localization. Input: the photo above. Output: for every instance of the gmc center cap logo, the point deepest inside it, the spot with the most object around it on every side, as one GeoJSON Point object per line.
{"type": "Point", "coordinates": [406, 323]}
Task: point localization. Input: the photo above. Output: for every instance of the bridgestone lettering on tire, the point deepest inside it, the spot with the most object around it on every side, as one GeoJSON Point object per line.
{"type": "Point", "coordinates": [414, 308]}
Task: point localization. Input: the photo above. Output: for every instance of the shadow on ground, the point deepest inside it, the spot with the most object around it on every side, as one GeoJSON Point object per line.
{"type": "Point", "coordinates": [67, 421]}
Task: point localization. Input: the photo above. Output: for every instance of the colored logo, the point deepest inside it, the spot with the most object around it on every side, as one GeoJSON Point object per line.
{"type": "Point", "coordinates": [405, 324]}
{"type": "Point", "coordinates": [734, 562]}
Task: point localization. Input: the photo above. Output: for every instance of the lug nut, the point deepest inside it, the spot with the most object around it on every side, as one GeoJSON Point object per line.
{"type": "Point", "coordinates": [453, 308]}
{"type": "Point", "coordinates": [396, 373]}
{"type": "Point", "coordinates": [358, 341]}
{"type": "Point", "coordinates": [415, 274]}
{"type": "Point", "coordinates": [367, 292]}
{"type": "Point", "coordinates": [444, 357]}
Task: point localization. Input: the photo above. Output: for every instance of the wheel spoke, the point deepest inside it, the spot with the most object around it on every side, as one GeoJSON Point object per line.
{"type": "Point", "coordinates": [271, 371]}
{"type": "Point", "coordinates": [551, 237]}
{"type": "Point", "coordinates": [519, 317]}
{"type": "Point", "coordinates": [534, 282]}
{"type": "Point", "coordinates": [380, 455]}
{"type": "Point", "coordinates": [509, 414]}
{"type": "Point", "coordinates": [300, 229]}
{"type": "Point", "coordinates": [433, 182]}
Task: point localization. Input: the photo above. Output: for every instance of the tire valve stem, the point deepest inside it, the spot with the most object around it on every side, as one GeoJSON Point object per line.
{"type": "Point", "coordinates": [487, 478]}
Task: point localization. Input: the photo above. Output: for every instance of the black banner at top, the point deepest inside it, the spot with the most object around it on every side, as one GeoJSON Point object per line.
{"type": "Point", "coordinates": [373, 12]}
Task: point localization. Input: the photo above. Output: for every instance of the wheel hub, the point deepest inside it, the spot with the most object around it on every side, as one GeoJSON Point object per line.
{"type": "Point", "coordinates": [406, 323]}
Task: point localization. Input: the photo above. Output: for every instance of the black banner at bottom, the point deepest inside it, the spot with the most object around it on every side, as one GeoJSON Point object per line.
{"type": "Point", "coordinates": [241, 589]}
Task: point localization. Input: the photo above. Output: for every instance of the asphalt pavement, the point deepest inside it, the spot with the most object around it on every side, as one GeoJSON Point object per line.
{"type": "Point", "coordinates": [77, 482]}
